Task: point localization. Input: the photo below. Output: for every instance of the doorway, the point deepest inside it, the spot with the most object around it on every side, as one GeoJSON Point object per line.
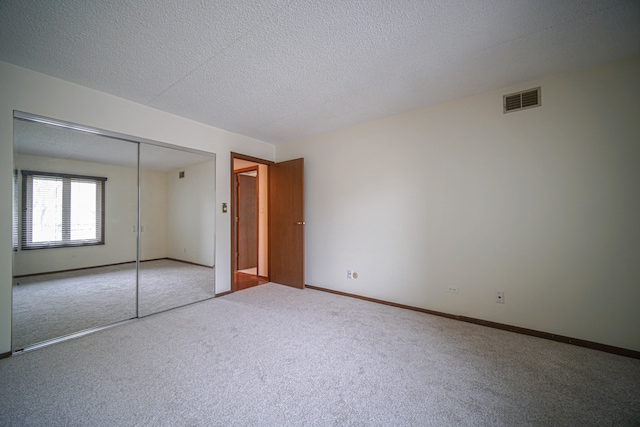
{"type": "Point", "coordinates": [250, 214]}
{"type": "Point", "coordinates": [282, 259]}
{"type": "Point", "coordinates": [247, 203]}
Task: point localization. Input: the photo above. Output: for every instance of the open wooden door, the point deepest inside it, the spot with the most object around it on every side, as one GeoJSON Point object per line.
{"type": "Point", "coordinates": [286, 223]}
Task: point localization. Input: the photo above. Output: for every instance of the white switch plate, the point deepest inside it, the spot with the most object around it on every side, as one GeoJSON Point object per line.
{"type": "Point", "coordinates": [500, 297]}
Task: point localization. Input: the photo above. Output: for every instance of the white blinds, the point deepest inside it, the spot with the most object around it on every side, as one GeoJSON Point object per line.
{"type": "Point", "coordinates": [61, 210]}
{"type": "Point", "coordinates": [15, 219]}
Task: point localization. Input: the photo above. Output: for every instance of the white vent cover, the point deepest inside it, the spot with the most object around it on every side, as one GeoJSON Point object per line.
{"type": "Point", "coordinates": [521, 100]}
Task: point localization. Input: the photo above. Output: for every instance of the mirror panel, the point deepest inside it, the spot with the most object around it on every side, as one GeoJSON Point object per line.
{"type": "Point", "coordinates": [177, 228]}
{"type": "Point", "coordinates": [75, 233]}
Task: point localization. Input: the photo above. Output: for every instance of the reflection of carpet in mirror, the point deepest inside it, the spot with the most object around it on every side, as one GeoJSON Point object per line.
{"type": "Point", "coordinates": [53, 305]}
{"type": "Point", "coordinates": [165, 284]}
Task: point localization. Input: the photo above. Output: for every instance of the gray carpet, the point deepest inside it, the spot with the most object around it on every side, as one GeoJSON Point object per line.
{"type": "Point", "coordinates": [277, 356]}
{"type": "Point", "coordinates": [52, 305]}
{"type": "Point", "coordinates": [165, 284]}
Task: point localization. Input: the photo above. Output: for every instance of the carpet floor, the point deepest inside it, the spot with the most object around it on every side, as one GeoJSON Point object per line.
{"type": "Point", "coordinates": [53, 305]}
{"type": "Point", "coordinates": [276, 356]}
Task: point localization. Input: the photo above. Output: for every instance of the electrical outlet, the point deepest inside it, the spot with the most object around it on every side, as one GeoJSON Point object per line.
{"type": "Point", "coordinates": [500, 297]}
{"type": "Point", "coordinates": [349, 274]}
{"type": "Point", "coordinates": [453, 289]}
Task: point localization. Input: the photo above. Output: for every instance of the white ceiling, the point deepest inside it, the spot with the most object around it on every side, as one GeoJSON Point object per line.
{"type": "Point", "coordinates": [279, 70]}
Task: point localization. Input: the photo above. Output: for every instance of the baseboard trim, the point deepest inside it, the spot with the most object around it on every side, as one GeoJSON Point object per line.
{"type": "Point", "coordinates": [108, 265]}
{"type": "Point", "coordinates": [189, 262]}
{"type": "Point", "coordinates": [221, 294]}
{"type": "Point", "coordinates": [5, 355]}
{"type": "Point", "coordinates": [532, 332]}
{"type": "Point", "coordinates": [74, 269]}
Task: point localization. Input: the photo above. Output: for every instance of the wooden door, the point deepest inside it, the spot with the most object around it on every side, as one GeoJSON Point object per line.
{"type": "Point", "coordinates": [247, 222]}
{"type": "Point", "coordinates": [286, 223]}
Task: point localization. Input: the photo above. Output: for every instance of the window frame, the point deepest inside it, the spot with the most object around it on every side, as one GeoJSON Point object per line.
{"type": "Point", "coordinates": [15, 216]}
{"type": "Point", "coordinates": [65, 242]}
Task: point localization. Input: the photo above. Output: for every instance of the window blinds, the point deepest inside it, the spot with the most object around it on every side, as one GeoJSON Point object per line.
{"type": "Point", "coordinates": [61, 210]}
{"type": "Point", "coordinates": [15, 219]}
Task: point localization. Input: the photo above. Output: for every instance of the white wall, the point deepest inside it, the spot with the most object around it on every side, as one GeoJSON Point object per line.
{"type": "Point", "coordinates": [542, 204]}
{"type": "Point", "coordinates": [191, 214]}
{"type": "Point", "coordinates": [121, 203]}
{"type": "Point", "coordinates": [35, 93]}
{"type": "Point", "coordinates": [153, 215]}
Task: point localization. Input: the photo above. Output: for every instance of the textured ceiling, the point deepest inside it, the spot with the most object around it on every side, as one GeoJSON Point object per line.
{"type": "Point", "coordinates": [280, 70]}
{"type": "Point", "coordinates": [37, 139]}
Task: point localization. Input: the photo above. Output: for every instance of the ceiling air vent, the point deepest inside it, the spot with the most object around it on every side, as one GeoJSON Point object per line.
{"type": "Point", "coordinates": [519, 101]}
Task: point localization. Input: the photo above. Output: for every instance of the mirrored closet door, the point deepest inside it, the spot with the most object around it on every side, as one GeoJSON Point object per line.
{"type": "Point", "coordinates": [177, 228]}
{"type": "Point", "coordinates": [106, 229]}
{"type": "Point", "coordinates": [74, 264]}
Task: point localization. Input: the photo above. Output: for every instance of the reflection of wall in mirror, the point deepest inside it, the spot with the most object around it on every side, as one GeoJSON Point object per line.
{"type": "Point", "coordinates": [191, 214]}
{"type": "Point", "coordinates": [153, 214]}
{"type": "Point", "coordinates": [120, 217]}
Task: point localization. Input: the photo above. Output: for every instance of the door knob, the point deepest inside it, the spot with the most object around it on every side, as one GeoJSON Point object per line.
{"type": "Point", "coordinates": [301, 223]}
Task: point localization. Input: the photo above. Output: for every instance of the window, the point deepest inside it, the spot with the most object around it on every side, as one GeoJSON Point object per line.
{"type": "Point", "coordinates": [61, 210]}
{"type": "Point", "coordinates": [14, 219]}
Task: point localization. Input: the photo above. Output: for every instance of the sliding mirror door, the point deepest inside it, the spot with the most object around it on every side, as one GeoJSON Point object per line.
{"type": "Point", "coordinates": [75, 237]}
{"type": "Point", "coordinates": [177, 228]}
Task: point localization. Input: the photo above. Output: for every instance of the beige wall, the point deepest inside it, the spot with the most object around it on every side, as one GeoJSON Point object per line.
{"type": "Point", "coordinates": [542, 204]}
{"type": "Point", "coordinates": [191, 214]}
{"type": "Point", "coordinates": [36, 93]}
{"type": "Point", "coordinates": [153, 215]}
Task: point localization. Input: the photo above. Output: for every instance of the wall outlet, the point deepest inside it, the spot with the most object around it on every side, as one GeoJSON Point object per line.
{"type": "Point", "coordinates": [453, 289]}
{"type": "Point", "coordinates": [349, 274]}
{"type": "Point", "coordinates": [500, 297]}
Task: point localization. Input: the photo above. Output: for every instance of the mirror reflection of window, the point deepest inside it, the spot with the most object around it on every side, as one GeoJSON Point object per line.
{"type": "Point", "coordinates": [105, 230]}
{"type": "Point", "coordinates": [75, 248]}
{"type": "Point", "coordinates": [62, 210]}
{"type": "Point", "coordinates": [16, 203]}
{"type": "Point", "coordinates": [43, 212]}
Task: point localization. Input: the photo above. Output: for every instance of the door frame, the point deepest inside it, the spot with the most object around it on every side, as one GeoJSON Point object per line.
{"type": "Point", "coordinates": [234, 208]}
{"type": "Point", "coordinates": [237, 202]}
